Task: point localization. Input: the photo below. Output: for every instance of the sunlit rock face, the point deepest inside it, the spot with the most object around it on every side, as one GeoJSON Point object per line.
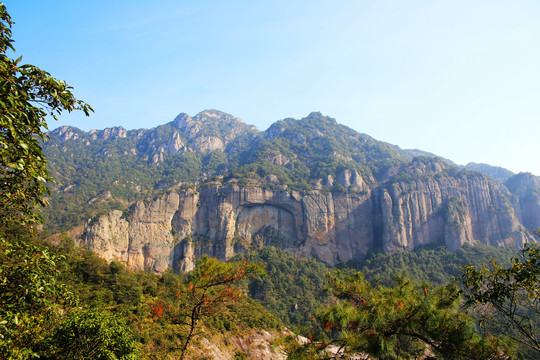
{"type": "Point", "coordinates": [176, 228]}
{"type": "Point", "coordinates": [312, 186]}
{"type": "Point", "coordinates": [526, 187]}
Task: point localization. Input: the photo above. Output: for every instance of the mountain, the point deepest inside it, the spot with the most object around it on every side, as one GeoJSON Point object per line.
{"type": "Point", "coordinates": [101, 170]}
{"type": "Point", "coordinates": [211, 184]}
{"type": "Point", "coordinates": [527, 189]}
{"type": "Point", "coordinates": [495, 172]}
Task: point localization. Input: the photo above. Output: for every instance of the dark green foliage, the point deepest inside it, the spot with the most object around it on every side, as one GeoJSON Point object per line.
{"type": "Point", "coordinates": [33, 300]}
{"type": "Point", "coordinates": [316, 147]}
{"type": "Point", "coordinates": [435, 264]}
{"type": "Point", "coordinates": [207, 293]}
{"type": "Point", "coordinates": [73, 304]}
{"type": "Point", "coordinates": [91, 334]}
{"type": "Point", "coordinates": [40, 311]}
{"type": "Point", "coordinates": [240, 355]}
{"type": "Point", "coordinates": [27, 95]}
{"type": "Point", "coordinates": [31, 296]}
{"type": "Point", "coordinates": [165, 311]}
{"type": "Point", "coordinates": [507, 298]}
{"type": "Point", "coordinates": [293, 289]}
{"type": "Point", "coordinates": [397, 322]}
{"type": "Point", "coordinates": [88, 182]}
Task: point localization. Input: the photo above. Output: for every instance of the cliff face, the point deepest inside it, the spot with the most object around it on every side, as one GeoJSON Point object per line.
{"type": "Point", "coordinates": [311, 186]}
{"type": "Point", "coordinates": [449, 211]}
{"type": "Point", "coordinates": [174, 229]}
{"type": "Point", "coordinates": [434, 203]}
{"type": "Point", "coordinates": [527, 189]}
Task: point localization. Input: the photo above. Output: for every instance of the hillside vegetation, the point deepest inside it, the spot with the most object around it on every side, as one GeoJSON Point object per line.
{"type": "Point", "coordinates": [108, 169]}
{"type": "Point", "coordinates": [151, 307]}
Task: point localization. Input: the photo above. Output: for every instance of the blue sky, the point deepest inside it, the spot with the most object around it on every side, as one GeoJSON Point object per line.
{"type": "Point", "coordinates": [457, 78]}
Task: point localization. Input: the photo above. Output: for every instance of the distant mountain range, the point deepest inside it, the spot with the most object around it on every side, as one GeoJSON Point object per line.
{"type": "Point", "coordinates": [211, 184]}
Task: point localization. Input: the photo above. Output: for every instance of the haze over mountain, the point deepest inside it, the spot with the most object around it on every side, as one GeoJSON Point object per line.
{"type": "Point", "coordinates": [459, 79]}
{"type": "Point", "coordinates": [211, 184]}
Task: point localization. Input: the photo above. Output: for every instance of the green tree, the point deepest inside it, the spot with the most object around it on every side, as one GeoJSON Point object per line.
{"type": "Point", "coordinates": [507, 299]}
{"type": "Point", "coordinates": [208, 291]}
{"type": "Point", "coordinates": [92, 334]}
{"type": "Point", "coordinates": [33, 302]}
{"type": "Point", "coordinates": [399, 322]}
{"type": "Point", "coordinates": [31, 297]}
{"type": "Point", "coordinates": [27, 96]}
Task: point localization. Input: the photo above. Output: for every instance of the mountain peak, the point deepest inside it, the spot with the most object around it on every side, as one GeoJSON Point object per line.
{"type": "Point", "coordinates": [66, 133]}
{"type": "Point", "coordinates": [216, 115]}
{"type": "Point", "coordinates": [212, 113]}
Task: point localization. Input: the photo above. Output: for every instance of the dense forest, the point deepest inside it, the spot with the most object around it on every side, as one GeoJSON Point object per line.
{"type": "Point", "coordinates": [272, 289]}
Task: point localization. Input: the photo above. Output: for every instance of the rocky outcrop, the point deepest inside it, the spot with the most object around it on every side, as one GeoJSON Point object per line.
{"type": "Point", "coordinates": [175, 229]}
{"type": "Point", "coordinates": [66, 133]}
{"type": "Point", "coordinates": [357, 194]}
{"type": "Point", "coordinates": [348, 179]}
{"type": "Point", "coordinates": [430, 202]}
{"type": "Point", "coordinates": [254, 344]}
{"type": "Point", "coordinates": [208, 143]}
{"type": "Point", "coordinates": [527, 189]}
{"type": "Point", "coordinates": [210, 130]}
{"type": "Point", "coordinates": [142, 239]}
{"type": "Point", "coordinates": [449, 211]}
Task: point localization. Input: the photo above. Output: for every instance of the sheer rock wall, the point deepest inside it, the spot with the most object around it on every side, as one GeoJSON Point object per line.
{"type": "Point", "coordinates": [176, 228]}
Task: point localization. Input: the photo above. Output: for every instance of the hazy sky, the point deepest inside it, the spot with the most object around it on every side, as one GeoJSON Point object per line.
{"type": "Point", "coordinates": [457, 78]}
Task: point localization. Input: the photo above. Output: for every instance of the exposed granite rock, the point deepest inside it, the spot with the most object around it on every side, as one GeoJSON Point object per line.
{"type": "Point", "coordinates": [448, 211]}
{"type": "Point", "coordinates": [175, 145]}
{"type": "Point", "coordinates": [175, 229]}
{"type": "Point", "coordinates": [66, 133]}
{"type": "Point", "coordinates": [277, 159]}
{"type": "Point", "coordinates": [431, 206]}
{"type": "Point", "coordinates": [115, 132]}
{"type": "Point", "coordinates": [348, 178]}
{"type": "Point", "coordinates": [527, 188]}
{"type": "Point", "coordinates": [272, 179]}
{"type": "Point", "coordinates": [142, 239]}
{"type": "Point", "coordinates": [209, 130]}
{"type": "Point", "coordinates": [112, 133]}
{"type": "Point", "coordinates": [108, 236]}
{"type": "Point", "coordinates": [208, 143]}
{"type": "Point", "coordinates": [329, 182]}
{"type": "Point", "coordinates": [187, 125]}
{"type": "Point", "coordinates": [258, 344]}
{"type": "Point", "coordinates": [274, 131]}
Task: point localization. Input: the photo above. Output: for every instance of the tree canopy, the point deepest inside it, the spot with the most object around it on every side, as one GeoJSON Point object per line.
{"type": "Point", "coordinates": [400, 322]}
{"type": "Point", "coordinates": [27, 96]}
{"type": "Point", "coordinates": [507, 299]}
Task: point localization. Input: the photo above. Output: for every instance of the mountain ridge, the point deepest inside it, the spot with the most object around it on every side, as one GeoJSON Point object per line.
{"type": "Point", "coordinates": [211, 184]}
{"type": "Point", "coordinates": [66, 132]}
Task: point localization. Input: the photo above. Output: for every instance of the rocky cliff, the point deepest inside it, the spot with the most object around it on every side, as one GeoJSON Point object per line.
{"type": "Point", "coordinates": [526, 187]}
{"type": "Point", "coordinates": [428, 206]}
{"type": "Point", "coordinates": [211, 184]}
